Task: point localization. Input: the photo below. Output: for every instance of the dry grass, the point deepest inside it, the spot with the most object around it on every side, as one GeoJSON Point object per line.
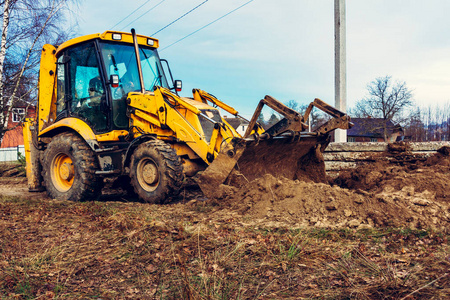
{"type": "Point", "coordinates": [112, 250]}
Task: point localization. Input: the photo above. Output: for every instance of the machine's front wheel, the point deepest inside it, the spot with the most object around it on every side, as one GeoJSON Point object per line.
{"type": "Point", "coordinates": [69, 169]}
{"type": "Point", "coordinates": [156, 171]}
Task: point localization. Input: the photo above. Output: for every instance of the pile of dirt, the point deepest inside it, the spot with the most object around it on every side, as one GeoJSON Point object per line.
{"type": "Point", "coordinates": [378, 195]}
{"type": "Point", "coordinates": [431, 175]}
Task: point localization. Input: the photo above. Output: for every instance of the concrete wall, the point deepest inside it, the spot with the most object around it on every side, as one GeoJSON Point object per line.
{"type": "Point", "coordinates": [350, 155]}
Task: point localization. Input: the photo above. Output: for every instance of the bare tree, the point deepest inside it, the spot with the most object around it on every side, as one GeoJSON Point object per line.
{"type": "Point", "coordinates": [429, 123]}
{"type": "Point", "coordinates": [292, 104]}
{"type": "Point", "coordinates": [415, 127]}
{"type": "Point", "coordinates": [261, 120]}
{"type": "Point", "coordinates": [272, 120]}
{"type": "Point", "coordinates": [386, 99]}
{"type": "Point", "coordinates": [27, 26]}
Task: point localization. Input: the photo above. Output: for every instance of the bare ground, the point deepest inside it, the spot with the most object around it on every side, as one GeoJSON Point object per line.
{"type": "Point", "coordinates": [378, 232]}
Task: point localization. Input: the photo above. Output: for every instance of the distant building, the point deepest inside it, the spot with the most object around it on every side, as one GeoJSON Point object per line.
{"type": "Point", "coordinates": [372, 130]}
{"type": "Point", "coordinates": [14, 136]}
{"type": "Point", "coordinates": [238, 124]}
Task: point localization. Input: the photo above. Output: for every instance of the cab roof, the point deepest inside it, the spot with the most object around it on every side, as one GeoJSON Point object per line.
{"type": "Point", "coordinates": [109, 35]}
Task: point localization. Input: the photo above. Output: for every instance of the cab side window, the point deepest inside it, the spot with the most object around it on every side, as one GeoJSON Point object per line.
{"type": "Point", "coordinates": [60, 88]}
{"type": "Point", "coordinates": [87, 89]}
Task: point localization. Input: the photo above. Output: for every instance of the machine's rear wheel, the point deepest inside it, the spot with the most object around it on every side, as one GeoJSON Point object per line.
{"type": "Point", "coordinates": [69, 169]}
{"type": "Point", "coordinates": [156, 171]}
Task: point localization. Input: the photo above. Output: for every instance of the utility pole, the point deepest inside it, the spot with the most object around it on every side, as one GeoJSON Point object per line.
{"type": "Point", "coordinates": [340, 72]}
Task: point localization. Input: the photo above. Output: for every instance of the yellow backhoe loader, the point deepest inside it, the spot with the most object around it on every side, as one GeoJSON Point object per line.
{"type": "Point", "coordinates": [106, 108]}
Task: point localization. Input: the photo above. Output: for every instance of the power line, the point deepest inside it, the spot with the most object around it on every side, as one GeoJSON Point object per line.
{"type": "Point", "coordinates": [131, 13]}
{"type": "Point", "coordinates": [180, 17]}
{"type": "Point", "coordinates": [192, 33]}
{"type": "Point", "coordinates": [159, 3]}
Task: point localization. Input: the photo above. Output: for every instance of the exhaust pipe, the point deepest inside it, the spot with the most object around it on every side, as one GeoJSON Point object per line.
{"type": "Point", "coordinates": [138, 60]}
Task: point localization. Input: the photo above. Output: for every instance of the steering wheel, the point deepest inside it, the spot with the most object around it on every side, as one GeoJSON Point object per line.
{"type": "Point", "coordinates": [123, 89]}
{"type": "Point", "coordinates": [89, 102]}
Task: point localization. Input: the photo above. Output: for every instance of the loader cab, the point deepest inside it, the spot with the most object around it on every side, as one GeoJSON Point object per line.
{"type": "Point", "coordinates": [84, 86]}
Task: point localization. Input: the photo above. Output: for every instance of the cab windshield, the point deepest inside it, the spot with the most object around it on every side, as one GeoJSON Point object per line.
{"type": "Point", "coordinates": [120, 59]}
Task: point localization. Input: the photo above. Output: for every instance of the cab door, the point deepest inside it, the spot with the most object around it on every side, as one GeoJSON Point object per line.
{"type": "Point", "coordinates": [84, 87]}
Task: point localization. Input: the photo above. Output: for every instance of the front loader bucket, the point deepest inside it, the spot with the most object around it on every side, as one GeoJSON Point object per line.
{"type": "Point", "coordinates": [243, 160]}
{"type": "Point", "coordinates": [283, 150]}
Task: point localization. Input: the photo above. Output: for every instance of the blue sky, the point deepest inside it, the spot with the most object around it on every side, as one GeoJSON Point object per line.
{"type": "Point", "coordinates": [285, 48]}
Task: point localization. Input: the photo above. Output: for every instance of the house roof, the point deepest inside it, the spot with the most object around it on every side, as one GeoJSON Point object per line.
{"type": "Point", "coordinates": [372, 127]}
{"type": "Point", "coordinates": [235, 122]}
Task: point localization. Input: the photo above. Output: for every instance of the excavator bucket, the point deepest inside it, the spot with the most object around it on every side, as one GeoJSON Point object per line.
{"type": "Point", "coordinates": [284, 150]}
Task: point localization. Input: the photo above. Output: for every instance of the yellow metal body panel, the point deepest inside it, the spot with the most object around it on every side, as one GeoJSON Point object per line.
{"type": "Point", "coordinates": [203, 96]}
{"type": "Point", "coordinates": [217, 138]}
{"type": "Point", "coordinates": [178, 101]}
{"type": "Point", "coordinates": [75, 124]}
{"type": "Point", "coordinates": [31, 156]}
{"type": "Point", "coordinates": [152, 108]}
{"type": "Point", "coordinates": [145, 102]}
{"type": "Point", "coordinates": [152, 119]}
{"type": "Point", "coordinates": [146, 116]}
{"type": "Point", "coordinates": [76, 41]}
{"type": "Point", "coordinates": [107, 36]}
{"type": "Point", "coordinates": [153, 112]}
{"type": "Point", "coordinates": [27, 141]}
{"type": "Point", "coordinates": [111, 136]}
{"type": "Point", "coordinates": [183, 149]}
{"type": "Point", "coordinates": [196, 103]}
{"type": "Point", "coordinates": [47, 97]}
{"type": "Point", "coordinates": [183, 120]}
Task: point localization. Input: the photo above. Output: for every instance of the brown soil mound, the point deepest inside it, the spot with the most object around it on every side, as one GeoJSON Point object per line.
{"type": "Point", "coordinates": [413, 195]}
{"type": "Point", "coordinates": [316, 204]}
{"type": "Point", "coordinates": [431, 175]}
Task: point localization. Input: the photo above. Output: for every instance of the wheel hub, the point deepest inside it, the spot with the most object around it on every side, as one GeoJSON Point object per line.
{"type": "Point", "coordinates": [67, 171]}
{"type": "Point", "coordinates": [62, 172]}
{"type": "Point", "coordinates": [150, 173]}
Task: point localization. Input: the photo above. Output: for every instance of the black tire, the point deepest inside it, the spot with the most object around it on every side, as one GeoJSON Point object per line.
{"type": "Point", "coordinates": [156, 172]}
{"type": "Point", "coordinates": [69, 167]}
